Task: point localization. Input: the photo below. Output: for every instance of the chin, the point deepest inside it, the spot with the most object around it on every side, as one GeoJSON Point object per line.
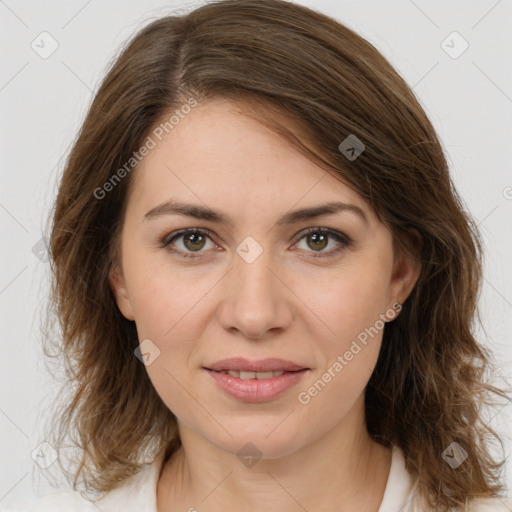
{"type": "Point", "coordinates": [257, 441]}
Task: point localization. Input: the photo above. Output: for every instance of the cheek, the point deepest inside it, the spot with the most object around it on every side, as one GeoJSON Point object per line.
{"type": "Point", "coordinates": [349, 335]}
{"type": "Point", "coordinates": [346, 302]}
{"type": "Point", "coordinates": [165, 298]}
{"type": "Point", "coordinates": [169, 311]}
{"type": "Point", "coordinates": [350, 349]}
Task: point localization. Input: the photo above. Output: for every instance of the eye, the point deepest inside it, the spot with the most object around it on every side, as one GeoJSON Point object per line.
{"type": "Point", "coordinates": [186, 242]}
{"type": "Point", "coordinates": [192, 240]}
{"type": "Point", "coordinates": [319, 238]}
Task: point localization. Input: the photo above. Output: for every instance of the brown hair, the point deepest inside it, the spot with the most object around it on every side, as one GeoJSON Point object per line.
{"type": "Point", "coordinates": [428, 386]}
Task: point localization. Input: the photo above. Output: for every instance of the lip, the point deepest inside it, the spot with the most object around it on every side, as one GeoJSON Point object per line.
{"type": "Point", "coordinates": [263, 365]}
{"type": "Point", "coordinates": [256, 390]}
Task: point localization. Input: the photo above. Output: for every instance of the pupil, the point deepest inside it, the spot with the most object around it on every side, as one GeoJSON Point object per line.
{"type": "Point", "coordinates": [192, 237]}
{"type": "Point", "coordinates": [319, 237]}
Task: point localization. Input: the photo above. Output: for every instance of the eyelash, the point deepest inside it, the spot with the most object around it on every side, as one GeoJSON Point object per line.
{"type": "Point", "coordinates": [344, 240]}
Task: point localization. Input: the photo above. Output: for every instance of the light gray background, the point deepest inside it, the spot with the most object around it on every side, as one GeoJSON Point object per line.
{"type": "Point", "coordinates": [43, 101]}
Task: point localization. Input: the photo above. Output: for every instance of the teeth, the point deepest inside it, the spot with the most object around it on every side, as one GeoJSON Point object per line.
{"type": "Point", "coordinates": [251, 375]}
{"type": "Point", "coordinates": [266, 375]}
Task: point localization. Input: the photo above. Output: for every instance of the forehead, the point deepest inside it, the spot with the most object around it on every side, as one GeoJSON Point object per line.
{"type": "Point", "coordinates": [222, 157]}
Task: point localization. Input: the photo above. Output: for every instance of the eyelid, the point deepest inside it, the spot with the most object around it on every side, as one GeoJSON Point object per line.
{"type": "Point", "coordinates": [168, 238]}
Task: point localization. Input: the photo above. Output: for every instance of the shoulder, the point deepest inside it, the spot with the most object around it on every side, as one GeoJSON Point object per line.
{"type": "Point", "coordinates": [490, 505]}
{"type": "Point", "coordinates": [54, 502]}
{"type": "Point", "coordinates": [475, 505]}
{"type": "Point", "coordinates": [137, 492]}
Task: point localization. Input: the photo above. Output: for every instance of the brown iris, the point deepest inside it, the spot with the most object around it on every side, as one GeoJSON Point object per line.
{"type": "Point", "coordinates": [320, 240]}
{"type": "Point", "coordinates": [197, 241]}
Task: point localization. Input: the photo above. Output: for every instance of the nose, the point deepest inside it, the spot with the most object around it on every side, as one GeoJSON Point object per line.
{"type": "Point", "coordinates": [255, 301]}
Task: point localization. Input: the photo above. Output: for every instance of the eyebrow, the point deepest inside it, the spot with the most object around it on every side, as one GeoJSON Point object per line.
{"type": "Point", "coordinates": [204, 213]}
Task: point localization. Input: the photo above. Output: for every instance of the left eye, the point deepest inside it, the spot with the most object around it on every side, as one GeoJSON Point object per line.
{"type": "Point", "coordinates": [319, 238]}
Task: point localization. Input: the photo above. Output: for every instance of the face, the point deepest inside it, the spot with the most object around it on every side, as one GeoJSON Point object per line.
{"type": "Point", "coordinates": [259, 283]}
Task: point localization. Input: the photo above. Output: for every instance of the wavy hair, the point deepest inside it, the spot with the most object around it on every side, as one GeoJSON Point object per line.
{"type": "Point", "coordinates": [430, 381]}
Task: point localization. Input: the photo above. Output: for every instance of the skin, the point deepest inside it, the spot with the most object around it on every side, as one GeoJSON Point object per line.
{"type": "Point", "coordinates": [285, 304]}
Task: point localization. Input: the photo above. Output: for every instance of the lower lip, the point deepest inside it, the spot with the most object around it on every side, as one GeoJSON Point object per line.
{"type": "Point", "coordinates": [256, 390]}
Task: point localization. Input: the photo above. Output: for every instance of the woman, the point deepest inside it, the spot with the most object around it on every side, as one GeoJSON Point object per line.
{"type": "Point", "coordinates": [266, 281]}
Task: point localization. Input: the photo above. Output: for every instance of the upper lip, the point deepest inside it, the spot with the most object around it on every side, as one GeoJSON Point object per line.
{"type": "Point", "coordinates": [263, 365]}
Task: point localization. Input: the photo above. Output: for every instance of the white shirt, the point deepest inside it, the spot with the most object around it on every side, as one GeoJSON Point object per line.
{"type": "Point", "coordinates": [138, 494]}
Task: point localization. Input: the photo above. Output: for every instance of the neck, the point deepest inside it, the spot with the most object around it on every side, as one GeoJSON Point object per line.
{"type": "Point", "coordinates": [345, 468]}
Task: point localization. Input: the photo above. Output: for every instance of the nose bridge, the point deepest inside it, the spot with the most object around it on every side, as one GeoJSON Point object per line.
{"type": "Point", "coordinates": [254, 300]}
{"type": "Point", "coordinates": [253, 274]}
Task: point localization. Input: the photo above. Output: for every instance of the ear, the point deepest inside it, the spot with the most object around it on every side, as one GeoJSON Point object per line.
{"type": "Point", "coordinates": [406, 269]}
{"type": "Point", "coordinates": [118, 286]}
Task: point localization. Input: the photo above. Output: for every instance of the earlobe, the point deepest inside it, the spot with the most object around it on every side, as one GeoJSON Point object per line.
{"type": "Point", "coordinates": [118, 286]}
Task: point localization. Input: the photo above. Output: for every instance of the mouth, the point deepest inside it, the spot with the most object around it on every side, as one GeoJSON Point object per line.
{"type": "Point", "coordinates": [246, 375]}
{"type": "Point", "coordinates": [255, 381]}
{"type": "Point", "coordinates": [246, 367]}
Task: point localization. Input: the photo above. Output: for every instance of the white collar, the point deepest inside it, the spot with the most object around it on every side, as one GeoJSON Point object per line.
{"type": "Point", "coordinates": [399, 487]}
